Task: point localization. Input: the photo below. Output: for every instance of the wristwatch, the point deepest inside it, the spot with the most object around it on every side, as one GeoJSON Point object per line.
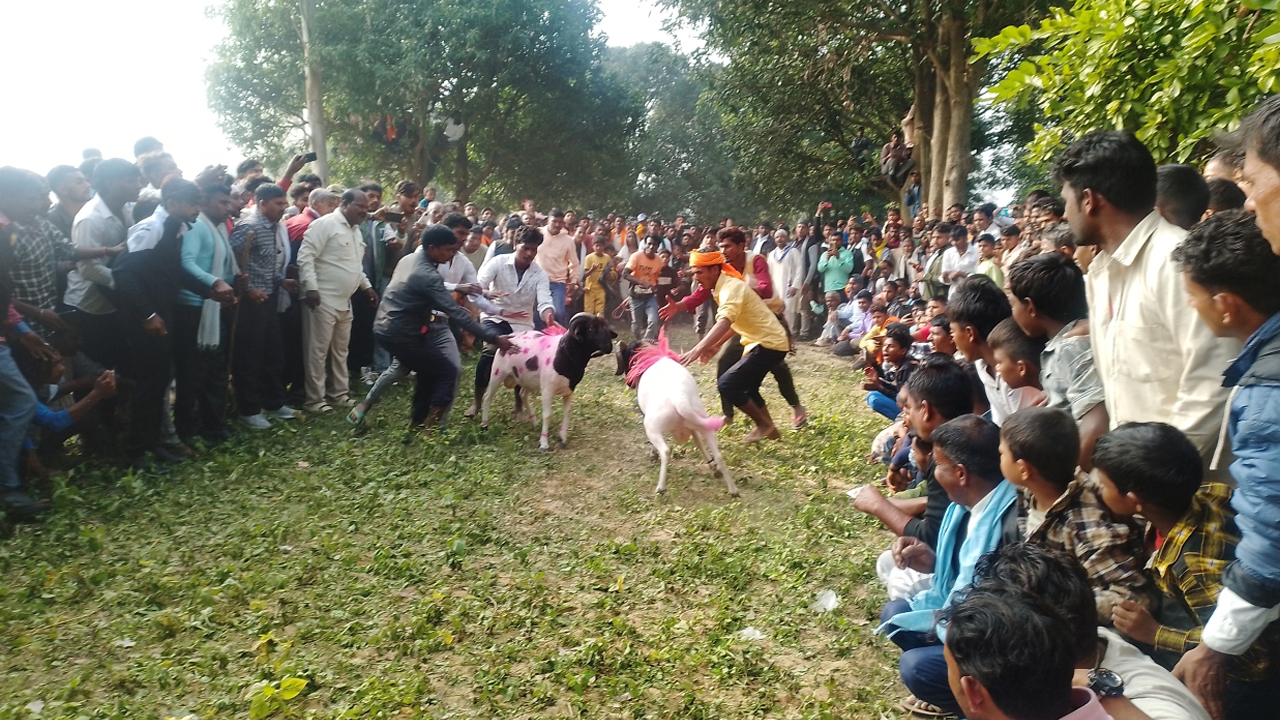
{"type": "Point", "coordinates": [1105, 683]}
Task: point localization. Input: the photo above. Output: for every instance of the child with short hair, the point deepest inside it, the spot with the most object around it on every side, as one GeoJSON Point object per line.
{"type": "Point", "coordinates": [1017, 355]}
{"type": "Point", "coordinates": [975, 307]}
{"type": "Point", "coordinates": [1231, 278]}
{"type": "Point", "coordinates": [1062, 508]}
{"type": "Point", "coordinates": [1153, 470]}
{"type": "Point", "coordinates": [1047, 296]}
{"type": "Point", "coordinates": [885, 379]}
{"type": "Point", "coordinates": [597, 272]}
{"type": "Point", "coordinates": [872, 338]}
{"type": "Point", "coordinates": [988, 260]}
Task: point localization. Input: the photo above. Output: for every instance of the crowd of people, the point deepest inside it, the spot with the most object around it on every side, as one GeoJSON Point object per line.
{"type": "Point", "coordinates": [1083, 390]}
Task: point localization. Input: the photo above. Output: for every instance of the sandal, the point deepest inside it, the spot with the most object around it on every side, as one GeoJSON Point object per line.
{"type": "Point", "coordinates": [356, 416]}
{"type": "Point", "coordinates": [920, 708]}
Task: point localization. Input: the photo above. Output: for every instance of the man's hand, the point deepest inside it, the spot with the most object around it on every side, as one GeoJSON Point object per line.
{"type": "Point", "coordinates": [868, 499]}
{"type": "Point", "coordinates": [105, 386]}
{"type": "Point", "coordinates": [222, 292]}
{"type": "Point", "coordinates": [909, 552]}
{"type": "Point", "coordinates": [154, 326]}
{"type": "Point", "coordinates": [116, 249]}
{"type": "Point", "coordinates": [294, 166]}
{"type": "Point", "coordinates": [504, 344]}
{"type": "Point", "coordinates": [289, 285]}
{"type": "Point", "coordinates": [668, 311]}
{"type": "Point", "coordinates": [257, 296]}
{"type": "Point", "coordinates": [515, 314]}
{"type": "Point", "coordinates": [1135, 621]}
{"type": "Point", "coordinates": [792, 292]}
{"type": "Point", "coordinates": [468, 289]}
{"type": "Point", "coordinates": [898, 480]}
{"type": "Point", "coordinates": [52, 320]}
{"type": "Point", "coordinates": [1204, 671]}
{"type": "Point", "coordinates": [38, 348]}
{"type": "Point", "coordinates": [372, 296]}
{"type": "Point", "coordinates": [313, 299]}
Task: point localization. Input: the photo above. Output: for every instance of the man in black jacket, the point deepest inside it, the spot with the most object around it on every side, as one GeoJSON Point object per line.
{"type": "Point", "coordinates": [417, 298]}
{"type": "Point", "coordinates": [147, 278]}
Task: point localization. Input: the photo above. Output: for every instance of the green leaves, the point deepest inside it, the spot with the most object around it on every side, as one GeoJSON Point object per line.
{"type": "Point", "coordinates": [1175, 72]}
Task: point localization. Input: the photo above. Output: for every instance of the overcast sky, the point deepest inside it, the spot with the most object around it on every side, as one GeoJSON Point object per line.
{"type": "Point", "coordinates": [73, 84]}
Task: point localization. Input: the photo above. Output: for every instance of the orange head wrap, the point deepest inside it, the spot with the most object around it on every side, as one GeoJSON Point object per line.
{"type": "Point", "coordinates": [713, 257]}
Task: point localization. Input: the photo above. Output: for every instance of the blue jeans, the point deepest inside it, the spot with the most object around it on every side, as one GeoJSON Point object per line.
{"type": "Point", "coordinates": [557, 299]}
{"type": "Point", "coordinates": [17, 409]}
{"type": "Point", "coordinates": [883, 404]}
{"type": "Point", "coordinates": [644, 317]}
{"type": "Point", "coordinates": [923, 667]}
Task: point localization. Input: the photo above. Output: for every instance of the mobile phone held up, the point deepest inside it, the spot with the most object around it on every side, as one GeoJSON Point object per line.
{"type": "Point", "coordinates": [309, 157]}
{"type": "Point", "coordinates": [393, 217]}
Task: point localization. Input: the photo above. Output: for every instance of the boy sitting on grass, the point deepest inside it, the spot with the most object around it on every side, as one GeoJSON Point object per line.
{"type": "Point", "coordinates": [1231, 277]}
{"type": "Point", "coordinates": [884, 380]}
{"type": "Point", "coordinates": [1062, 509]}
{"type": "Point", "coordinates": [1153, 470]}
{"type": "Point", "coordinates": [1047, 295]}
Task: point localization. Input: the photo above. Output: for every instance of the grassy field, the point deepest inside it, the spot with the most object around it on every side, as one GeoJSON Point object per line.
{"type": "Point", "coordinates": [465, 578]}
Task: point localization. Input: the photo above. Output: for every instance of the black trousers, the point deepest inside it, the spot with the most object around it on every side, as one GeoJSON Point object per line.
{"type": "Point", "coordinates": [360, 349]}
{"type": "Point", "coordinates": [741, 382]}
{"type": "Point", "coordinates": [259, 358]}
{"type": "Point", "coordinates": [434, 356]}
{"type": "Point", "coordinates": [293, 374]}
{"type": "Point", "coordinates": [102, 336]}
{"type": "Point", "coordinates": [148, 367]}
{"type": "Point", "coordinates": [201, 375]}
{"type": "Point", "coordinates": [732, 355]}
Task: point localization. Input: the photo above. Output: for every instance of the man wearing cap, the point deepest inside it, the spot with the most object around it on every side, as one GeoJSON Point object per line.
{"type": "Point", "coordinates": [741, 311]}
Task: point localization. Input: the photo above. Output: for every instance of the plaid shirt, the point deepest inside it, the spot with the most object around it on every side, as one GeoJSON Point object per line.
{"type": "Point", "coordinates": [1188, 567]}
{"type": "Point", "coordinates": [1110, 549]}
{"type": "Point", "coordinates": [39, 248]}
{"type": "Point", "coordinates": [263, 266]}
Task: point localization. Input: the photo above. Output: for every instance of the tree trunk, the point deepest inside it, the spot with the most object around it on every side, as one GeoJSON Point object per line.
{"type": "Point", "coordinates": [315, 96]}
{"type": "Point", "coordinates": [461, 172]}
{"type": "Point", "coordinates": [925, 78]}
{"type": "Point", "coordinates": [963, 86]}
{"type": "Point", "coordinates": [938, 147]}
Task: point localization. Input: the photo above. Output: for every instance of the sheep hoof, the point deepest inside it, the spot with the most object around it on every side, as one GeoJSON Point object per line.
{"type": "Point", "coordinates": [543, 449]}
{"type": "Point", "coordinates": [717, 474]}
{"type": "Point", "coordinates": [735, 494]}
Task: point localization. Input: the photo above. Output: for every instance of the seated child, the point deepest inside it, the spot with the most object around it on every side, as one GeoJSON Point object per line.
{"type": "Point", "coordinates": [855, 317]}
{"type": "Point", "coordinates": [884, 380]}
{"type": "Point", "coordinates": [1048, 298]}
{"type": "Point", "coordinates": [975, 307]}
{"type": "Point", "coordinates": [1062, 508]}
{"type": "Point", "coordinates": [44, 377]}
{"type": "Point", "coordinates": [1153, 470]}
{"type": "Point", "coordinates": [870, 343]}
{"type": "Point", "coordinates": [1017, 355]}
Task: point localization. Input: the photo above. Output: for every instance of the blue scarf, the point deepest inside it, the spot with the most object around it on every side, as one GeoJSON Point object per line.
{"type": "Point", "coordinates": [951, 577]}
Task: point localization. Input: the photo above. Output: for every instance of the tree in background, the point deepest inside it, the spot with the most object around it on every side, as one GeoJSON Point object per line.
{"type": "Point", "coordinates": [686, 164]}
{"type": "Point", "coordinates": [1174, 72]}
{"type": "Point", "coordinates": [498, 100]}
{"type": "Point", "coordinates": [865, 64]}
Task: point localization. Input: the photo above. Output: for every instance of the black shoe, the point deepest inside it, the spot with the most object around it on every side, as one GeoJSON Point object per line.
{"type": "Point", "coordinates": [20, 507]}
{"type": "Point", "coordinates": [167, 456]}
{"type": "Point", "coordinates": [216, 437]}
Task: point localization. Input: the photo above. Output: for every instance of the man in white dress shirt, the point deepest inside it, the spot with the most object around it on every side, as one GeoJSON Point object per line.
{"type": "Point", "coordinates": [786, 267]}
{"type": "Point", "coordinates": [331, 268]}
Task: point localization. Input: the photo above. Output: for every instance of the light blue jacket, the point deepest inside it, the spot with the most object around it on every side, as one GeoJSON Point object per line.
{"type": "Point", "coordinates": [197, 259]}
{"type": "Point", "coordinates": [1254, 429]}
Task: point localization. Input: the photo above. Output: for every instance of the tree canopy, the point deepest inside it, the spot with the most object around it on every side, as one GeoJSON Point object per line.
{"type": "Point", "coordinates": [1174, 72]}
{"type": "Point", "coordinates": [494, 100]}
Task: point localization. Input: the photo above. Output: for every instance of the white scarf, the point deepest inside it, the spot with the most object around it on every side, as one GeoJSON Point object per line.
{"type": "Point", "coordinates": [209, 336]}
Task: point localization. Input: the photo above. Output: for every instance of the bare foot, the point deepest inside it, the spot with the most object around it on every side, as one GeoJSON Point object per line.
{"type": "Point", "coordinates": [471, 411]}
{"type": "Point", "coordinates": [799, 417]}
{"type": "Point", "coordinates": [759, 433]}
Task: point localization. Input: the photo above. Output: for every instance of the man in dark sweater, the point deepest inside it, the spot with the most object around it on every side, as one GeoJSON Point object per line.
{"type": "Point", "coordinates": [416, 299]}
{"type": "Point", "coordinates": [147, 278]}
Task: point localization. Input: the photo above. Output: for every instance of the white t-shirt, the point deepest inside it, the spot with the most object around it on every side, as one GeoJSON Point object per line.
{"type": "Point", "coordinates": [1003, 399]}
{"type": "Point", "coordinates": [1151, 688]}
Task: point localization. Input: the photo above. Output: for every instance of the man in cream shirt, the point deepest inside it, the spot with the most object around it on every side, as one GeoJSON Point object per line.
{"type": "Point", "coordinates": [330, 267]}
{"type": "Point", "coordinates": [1157, 360]}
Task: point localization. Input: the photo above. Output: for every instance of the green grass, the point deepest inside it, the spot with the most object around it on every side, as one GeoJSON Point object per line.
{"type": "Point", "coordinates": [467, 578]}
